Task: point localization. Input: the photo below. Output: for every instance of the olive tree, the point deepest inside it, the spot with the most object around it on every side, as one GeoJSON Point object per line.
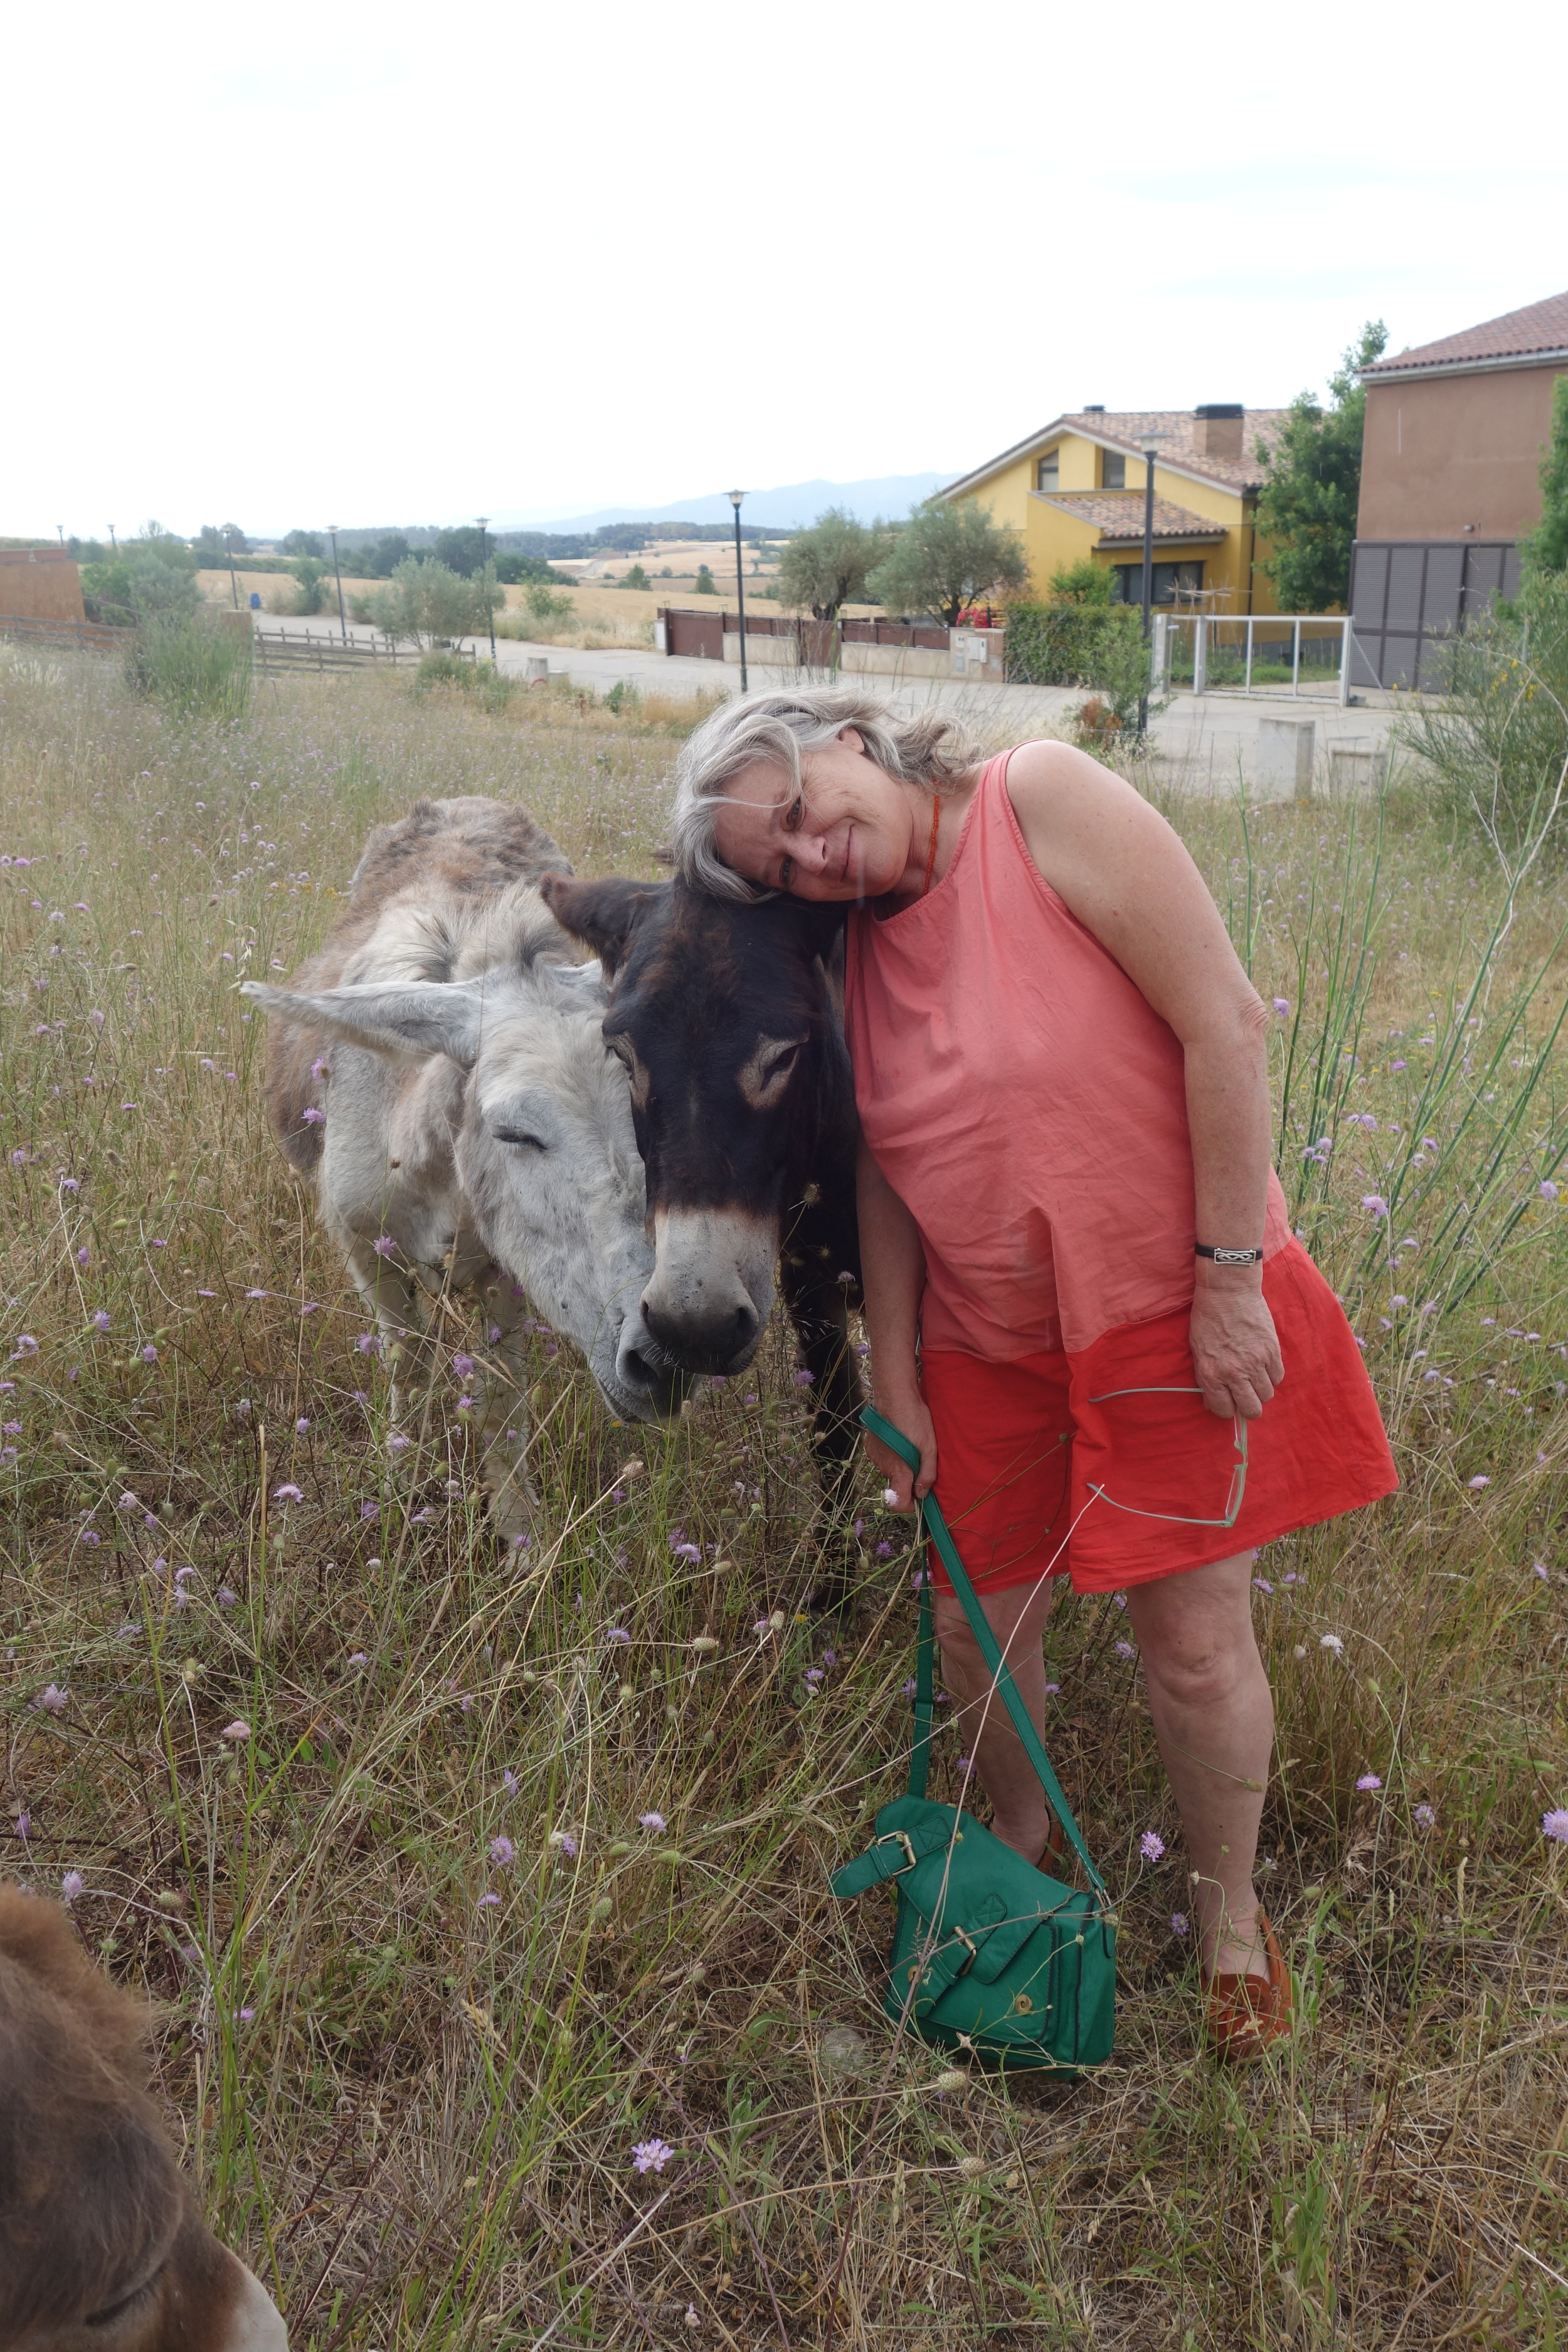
{"type": "Point", "coordinates": [826, 568]}
{"type": "Point", "coordinates": [948, 555]}
{"type": "Point", "coordinates": [426, 602]}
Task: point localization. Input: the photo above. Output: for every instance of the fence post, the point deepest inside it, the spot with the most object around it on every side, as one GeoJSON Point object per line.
{"type": "Point", "coordinates": [1296, 657]}
{"type": "Point", "coordinates": [1345, 642]}
{"type": "Point", "coordinates": [1201, 654]}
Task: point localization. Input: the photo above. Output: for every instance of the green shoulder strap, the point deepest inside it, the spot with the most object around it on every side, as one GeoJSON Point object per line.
{"type": "Point", "coordinates": [936, 1527]}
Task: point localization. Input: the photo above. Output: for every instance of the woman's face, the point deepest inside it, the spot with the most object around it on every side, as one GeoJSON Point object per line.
{"type": "Point", "coordinates": [847, 834]}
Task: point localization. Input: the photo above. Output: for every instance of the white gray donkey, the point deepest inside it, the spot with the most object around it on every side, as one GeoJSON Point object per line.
{"type": "Point", "coordinates": [438, 1075]}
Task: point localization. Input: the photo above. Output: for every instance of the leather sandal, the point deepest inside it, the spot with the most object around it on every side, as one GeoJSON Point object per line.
{"type": "Point", "coordinates": [1245, 2013]}
{"type": "Point", "coordinates": [1055, 1847]}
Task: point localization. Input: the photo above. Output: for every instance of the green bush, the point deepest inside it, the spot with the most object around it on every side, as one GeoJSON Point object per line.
{"type": "Point", "coordinates": [311, 577]}
{"type": "Point", "coordinates": [1494, 743]}
{"type": "Point", "coordinates": [197, 666]}
{"type": "Point", "coordinates": [545, 605]}
{"type": "Point", "coordinates": [635, 578]}
{"type": "Point", "coordinates": [703, 585]}
{"type": "Point", "coordinates": [1083, 582]}
{"type": "Point", "coordinates": [150, 579]}
{"type": "Point", "coordinates": [1090, 644]}
{"type": "Point", "coordinates": [427, 602]}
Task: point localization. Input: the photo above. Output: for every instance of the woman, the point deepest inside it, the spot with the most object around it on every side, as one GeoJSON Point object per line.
{"type": "Point", "coordinates": [1083, 1297]}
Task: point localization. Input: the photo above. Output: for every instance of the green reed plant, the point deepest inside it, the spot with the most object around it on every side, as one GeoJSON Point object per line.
{"type": "Point", "coordinates": [194, 665]}
{"type": "Point", "coordinates": [472, 1883]}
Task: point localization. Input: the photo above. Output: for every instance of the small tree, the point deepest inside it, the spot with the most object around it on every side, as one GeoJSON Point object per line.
{"type": "Point", "coordinates": [427, 601]}
{"type": "Point", "coordinates": [635, 578]}
{"type": "Point", "coordinates": [305, 543]}
{"type": "Point", "coordinates": [1545, 549]}
{"type": "Point", "coordinates": [703, 585]}
{"type": "Point", "coordinates": [1306, 507]}
{"type": "Point", "coordinates": [826, 568]}
{"type": "Point", "coordinates": [308, 573]}
{"type": "Point", "coordinates": [947, 556]}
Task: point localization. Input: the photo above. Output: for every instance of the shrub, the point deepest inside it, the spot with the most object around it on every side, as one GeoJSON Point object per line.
{"type": "Point", "coordinates": [1097, 645]}
{"type": "Point", "coordinates": [197, 666]}
{"type": "Point", "coordinates": [305, 543]}
{"type": "Point", "coordinates": [703, 585]}
{"type": "Point", "coordinates": [1495, 743]}
{"type": "Point", "coordinates": [1083, 582]}
{"type": "Point", "coordinates": [1546, 547]}
{"type": "Point", "coordinates": [152, 578]}
{"type": "Point", "coordinates": [635, 578]}
{"type": "Point", "coordinates": [426, 603]}
{"type": "Point", "coordinates": [310, 578]}
{"type": "Point", "coordinates": [544, 605]}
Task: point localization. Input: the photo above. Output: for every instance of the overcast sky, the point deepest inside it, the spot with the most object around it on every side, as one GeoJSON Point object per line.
{"type": "Point", "coordinates": [388, 264]}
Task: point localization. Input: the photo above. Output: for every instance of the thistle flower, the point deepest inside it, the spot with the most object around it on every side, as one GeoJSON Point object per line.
{"type": "Point", "coordinates": [463, 1367]}
{"type": "Point", "coordinates": [98, 1319]}
{"type": "Point", "coordinates": [311, 1117]}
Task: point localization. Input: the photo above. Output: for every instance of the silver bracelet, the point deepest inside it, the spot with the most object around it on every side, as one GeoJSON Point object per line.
{"type": "Point", "coordinates": [1229, 1257]}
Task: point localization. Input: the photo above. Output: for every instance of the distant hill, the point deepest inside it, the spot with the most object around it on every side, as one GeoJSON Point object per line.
{"type": "Point", "coordinates": [791, 506]}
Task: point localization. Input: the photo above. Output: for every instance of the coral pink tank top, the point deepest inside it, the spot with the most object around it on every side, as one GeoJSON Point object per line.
{"type": "Point", "coordinates": [1025, 1102]}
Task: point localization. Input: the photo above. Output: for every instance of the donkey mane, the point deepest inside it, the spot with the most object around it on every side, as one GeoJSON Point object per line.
{"type": "Point", "coordinates": [89, 2188]}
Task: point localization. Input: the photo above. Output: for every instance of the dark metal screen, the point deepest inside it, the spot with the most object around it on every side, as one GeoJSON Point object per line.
{"type": "Point", "coordinates": [1408, 595]}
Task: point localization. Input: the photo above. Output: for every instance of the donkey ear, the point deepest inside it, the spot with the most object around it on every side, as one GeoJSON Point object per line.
{"type": "Point", "coordinates": [415, 1018]}
{"type": "Point", "coordinates": [602, 914]}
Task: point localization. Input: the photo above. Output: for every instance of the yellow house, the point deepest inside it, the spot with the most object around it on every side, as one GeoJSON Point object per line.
{"type": "Point", "coordinates": [1076, 488]}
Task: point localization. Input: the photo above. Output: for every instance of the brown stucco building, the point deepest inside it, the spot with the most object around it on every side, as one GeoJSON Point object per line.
{"type": "Point", "coordinates": [39, 583]}
{"type": "Point", "coordinates": [1450, 479]}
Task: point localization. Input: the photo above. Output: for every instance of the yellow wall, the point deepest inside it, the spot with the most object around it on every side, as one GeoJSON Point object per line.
{"type": "Point", "coordinates": [1052, 538]}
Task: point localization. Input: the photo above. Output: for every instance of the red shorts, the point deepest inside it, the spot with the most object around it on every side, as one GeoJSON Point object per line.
{"type": "Point", "coordinates": [1042, 1471]}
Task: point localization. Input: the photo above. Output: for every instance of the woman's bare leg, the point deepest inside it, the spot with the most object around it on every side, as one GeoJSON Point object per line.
{"type": "Point", "coordinates": [1020, 1815]}
{"type": "Point", "coordinates": [1213, 1714]}
{"type": "Point", "coordinates": [1213, 1718]}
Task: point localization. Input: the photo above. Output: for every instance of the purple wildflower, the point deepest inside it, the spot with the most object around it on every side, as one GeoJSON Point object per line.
{"type": "Point", "coordinates": [1554, 1825]}
{"type": "Point", "coordinates": [652, 1822]}
{"type": "Point", "coordinates": [1368, 1781]}
{"type": "Point", "coordinates": [1178, 1923]}
{"type": "Point", "coordinates": [504, 1853]}
{"type": "Point", "coordinates": [1151, 1845]}
{"type": "Point", "coordinates": [286, 1493]}
{"type": "Point", "coordinates": [53, 1700]}
{"type": "Point", "coordinates": [651, 2154]}
{"type": "Point", "coordinates": [1425, 1817]}
{"type": "Point", "coordinates": [72, 1885]}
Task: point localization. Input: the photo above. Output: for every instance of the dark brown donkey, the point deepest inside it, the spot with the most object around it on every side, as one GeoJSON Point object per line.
{"type": "Point", "coordinates": [101, 2242]}
{"type": "Point", "coordinates": [729, 1019]}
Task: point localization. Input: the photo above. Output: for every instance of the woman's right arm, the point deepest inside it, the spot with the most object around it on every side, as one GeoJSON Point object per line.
{"type": "Point", "coordinates": [893, 1271]}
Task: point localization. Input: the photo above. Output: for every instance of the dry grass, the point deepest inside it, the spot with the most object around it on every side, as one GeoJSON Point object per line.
{"type": "Point", "coordinates": [416, 2109]}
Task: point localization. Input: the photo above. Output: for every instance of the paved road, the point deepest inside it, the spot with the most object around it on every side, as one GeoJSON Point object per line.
{"type": "Point", "coordinates": [1207, 743]}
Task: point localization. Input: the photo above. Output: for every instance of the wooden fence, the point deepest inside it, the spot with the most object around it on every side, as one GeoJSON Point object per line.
{"type": "Point", "coordinates": [92, 633]}
{"type": "Point", "coordinates": [297, 649]}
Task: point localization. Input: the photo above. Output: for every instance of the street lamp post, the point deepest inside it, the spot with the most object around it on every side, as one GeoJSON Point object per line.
{"type": "Point", "coordinates": [1148, 442]}
{"type": "Point", "coordinates": [60, 529]}
{"type": "Point", "coordinates": [342, 618]}
{"type": "Point", "coordinates": [233, 582]}
{"type": "Point", "coordinates": [484, 569]}
{"type": "Point", "coordinates": [735, 497]}
{"type": "Point", "coordinates": [112, 540]}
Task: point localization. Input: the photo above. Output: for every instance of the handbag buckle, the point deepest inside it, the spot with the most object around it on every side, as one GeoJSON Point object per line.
{"type": "Point", "coordinates": [899, 1837]}
{"type": "Point", "coordinates": [970, 1946]}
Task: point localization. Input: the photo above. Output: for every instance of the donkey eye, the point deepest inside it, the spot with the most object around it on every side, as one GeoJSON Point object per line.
{"type": "Point", "coordinates": [115, 2311]}
{"type": "Point", "coordinates": [519, 1135]}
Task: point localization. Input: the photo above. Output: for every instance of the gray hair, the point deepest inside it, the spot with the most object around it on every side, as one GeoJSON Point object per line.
{"type": "Point", "coordinates": [928, 749]}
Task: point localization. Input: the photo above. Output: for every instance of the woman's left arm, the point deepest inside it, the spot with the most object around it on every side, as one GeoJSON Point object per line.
{"type": "Point", "coordinates": [1127, 876]}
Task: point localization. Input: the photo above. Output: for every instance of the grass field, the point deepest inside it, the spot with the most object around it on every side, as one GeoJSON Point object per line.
{"type": "Point", "coordinates": [460, 1882]}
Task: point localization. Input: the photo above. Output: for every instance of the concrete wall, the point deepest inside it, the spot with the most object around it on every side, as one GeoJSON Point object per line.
{"type": "Point", "coordinates": [969, 653]}
{"type": "Point", "coordinates": [1455, 456]}
{"type": "Point", "coordinates": [40, 583]}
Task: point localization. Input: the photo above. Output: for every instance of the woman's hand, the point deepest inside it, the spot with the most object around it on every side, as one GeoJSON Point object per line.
{"type": "Point", "coordinates": [1235, 1352]}
{"type": "Point", "coordinates": [907, 1411]}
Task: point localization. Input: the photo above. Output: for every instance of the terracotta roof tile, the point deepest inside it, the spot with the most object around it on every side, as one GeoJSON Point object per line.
{"type": "Point", "coordinates": [1122, 427]}
{"type": "Point", "coordinates": [1541, 327]}
{"type": "Point", "coordinates": [1118, 516]}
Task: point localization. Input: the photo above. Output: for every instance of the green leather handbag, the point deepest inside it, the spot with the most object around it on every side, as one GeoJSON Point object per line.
{"type": "Point", "coordinates": [990, 1956]}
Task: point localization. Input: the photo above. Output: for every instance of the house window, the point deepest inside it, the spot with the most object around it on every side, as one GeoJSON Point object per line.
{"type": "Point", "coordinates": [1167, 579]}
{"type": "Point", "coordinates": [1048, 472]}
{"type": "Point", "coordinates": [1112, 470]}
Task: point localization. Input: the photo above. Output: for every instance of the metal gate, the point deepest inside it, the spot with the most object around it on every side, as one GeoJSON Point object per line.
{"type": "Point", "coordinates": [1407, 596]}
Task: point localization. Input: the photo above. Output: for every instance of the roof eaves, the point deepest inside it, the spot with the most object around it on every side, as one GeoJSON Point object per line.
{"type": "Point", "coordinates": [1008, 457]}
{"type": "Point", "coordinates": [1386, 371]}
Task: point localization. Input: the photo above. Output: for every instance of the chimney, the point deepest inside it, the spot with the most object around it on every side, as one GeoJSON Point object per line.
{"type": "Point", "coordinates": [1217, 430]}
{"type": "Point", "coordinates": [1092, 408]}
